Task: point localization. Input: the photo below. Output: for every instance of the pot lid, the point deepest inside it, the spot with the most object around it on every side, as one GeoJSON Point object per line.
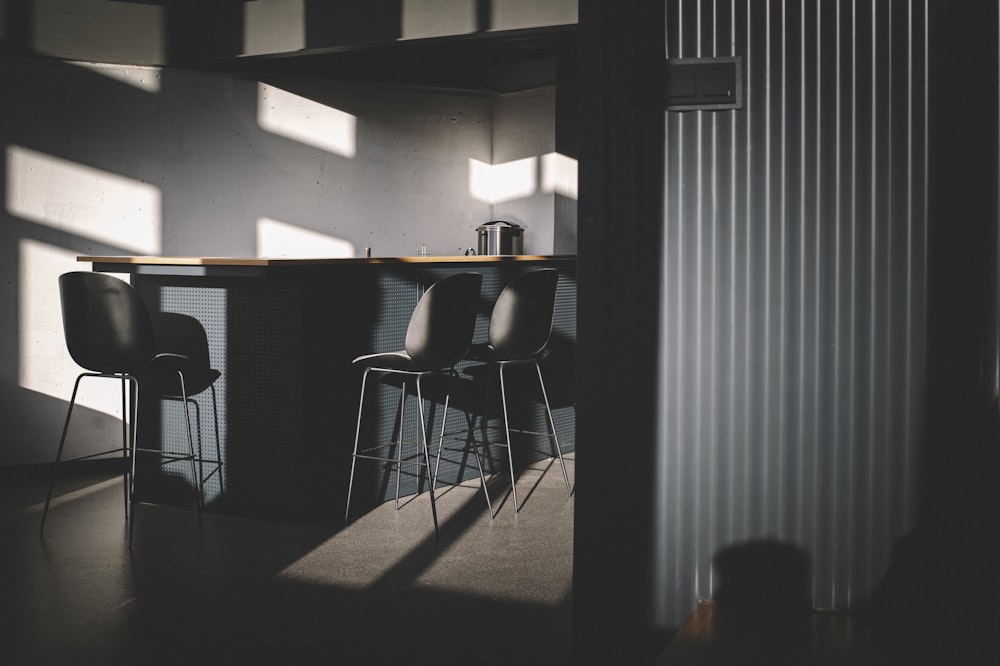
{"type": "Point", "coordinates": [498, 223]}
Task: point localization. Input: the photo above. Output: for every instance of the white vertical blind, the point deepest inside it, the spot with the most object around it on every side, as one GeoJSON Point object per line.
{"type": "Point", "coordinates": [794, 278]}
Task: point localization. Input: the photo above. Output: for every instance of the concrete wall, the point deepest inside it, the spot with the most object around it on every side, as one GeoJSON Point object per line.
{"type": "Point", "coordinates": [532, 177]}
{"type": "Point", "coordinates": [130, 160]}
{"type": "Point", "coordinates": [147, 33]}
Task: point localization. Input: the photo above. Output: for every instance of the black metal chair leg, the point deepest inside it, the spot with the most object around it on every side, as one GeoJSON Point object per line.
{"type": "Point", "coordinates": [427, 457]}
{"type": "Point", "coordinates": [357, 437]}
{"type": "Point", "coordinates": [59, 452]}
{"type": "Point", "coordinates": [218, 441]}
{"type": "Point", "coordinates": [552, 427]}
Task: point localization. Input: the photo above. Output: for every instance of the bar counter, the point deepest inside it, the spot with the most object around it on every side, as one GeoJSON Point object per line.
{"type": "Point", "coordinates": [320, 261]}
{"type": "Point", "coordinates": [283, 332]}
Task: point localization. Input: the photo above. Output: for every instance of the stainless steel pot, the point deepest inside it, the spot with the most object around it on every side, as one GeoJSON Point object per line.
{"type": "Point", "coordinates": [500, 237]}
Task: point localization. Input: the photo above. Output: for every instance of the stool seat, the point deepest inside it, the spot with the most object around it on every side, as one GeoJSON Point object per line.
{"type": "Point", "coordinates": [484, 352]}
{"type": "Point", "coordinates": [399, 360]}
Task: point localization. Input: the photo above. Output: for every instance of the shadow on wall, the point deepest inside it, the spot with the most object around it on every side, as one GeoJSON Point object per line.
{"type": "Point", "coordinates": [939, 601]}
{"type": "Point", "coordinates": [763, 614]}
{"type": "Point", "coordinates": [763, 603]}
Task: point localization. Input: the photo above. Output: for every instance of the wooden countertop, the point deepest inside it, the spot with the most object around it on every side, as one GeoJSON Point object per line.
{"type": "Point", "coordinates": [285, 261]}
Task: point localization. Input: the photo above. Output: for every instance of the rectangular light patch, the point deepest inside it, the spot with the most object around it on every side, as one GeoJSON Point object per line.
{"type": "Point", "coordinates": [306, 121]}
{"type": "Point", "coordinates": [84, 201]}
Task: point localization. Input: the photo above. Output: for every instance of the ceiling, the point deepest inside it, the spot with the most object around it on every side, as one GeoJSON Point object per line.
{"type": "Point", "coordinates": [498, 61]}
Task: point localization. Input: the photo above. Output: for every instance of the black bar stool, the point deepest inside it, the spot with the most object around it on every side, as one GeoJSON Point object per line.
{"type": "Point", "coordinates": [437, 337]}
{"type": "Point", "coordinates": [519, 331]}
{"type": "Point", "coordinates": [109, 333]}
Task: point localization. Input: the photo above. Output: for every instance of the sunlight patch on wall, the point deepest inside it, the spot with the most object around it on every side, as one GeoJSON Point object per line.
{"type": "Point", "coordinates": [44, 365]}
{"type": "Point", "coordinates": [436, 18]}
{"type": "Point", "coordinates": [306, 121]}
{"type": "Point", "coordinates": [84, 201]}
{"type": "Point", "coordinates": [143, 78]}
{"type": "Point", "coordinates": [274, 26]}
{"type": "Point", "coordinates": [278, 239]}
{"type": "Point", "coordinates": [559, 175]}
{"type": "Point", "coordinates": [497, 183]}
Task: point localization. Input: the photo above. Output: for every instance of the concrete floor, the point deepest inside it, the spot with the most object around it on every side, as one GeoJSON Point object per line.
{"type": "Point", "coordinates": [379, 591]}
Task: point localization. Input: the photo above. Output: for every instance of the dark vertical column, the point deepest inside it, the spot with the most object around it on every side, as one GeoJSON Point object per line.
{"type": "Point", "coordinates": [352, 22]}
{"type": "Point", "coordinates": [950, 556]}
{"type": "Point", "coordinates": [18, 22]}
{"type": "Point", "coordinates": [621, 148]}
{"type": "Point", "coordinates": [483, 15]}
{"type": "Point", "coordinates": [197, 32]}
{"type": "Point", "coordinates": [962, 246]}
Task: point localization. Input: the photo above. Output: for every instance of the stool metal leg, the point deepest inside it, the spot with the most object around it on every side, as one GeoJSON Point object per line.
{"type": "Point", "coordinates": [485, 420]}
{"type": "Point", "coordinates": [557, 452]}
{"type": "Point", "coordinates": [437, 461]}
{"type": "Point", "coordinates": [125, 472]}
{"type": "Point", "coordinates": [470, 438]}
{"type": "Point", "coordinates": [399, 440]}
{"type": "Point", "coordinates": [444, 424]}
{"type": "Point", "coordinates": [190, 442]}
{"type": "Point", "coordinates": [506, 429]}
{"type": "Point", "coordinates": [200, 480]}
{"type": "Point", "coordinates": [190, 457]}
{"type": "Point", "coordinates": [218, 440]}
{"type": "Point", "coordinates": [552, 426]}
{"type": "Point", "coordinates": [427, 457]}
{"type": "Point", "coordinates": [482, 478]}
{"type": "Point", "coordinates": [130, 422]}
{"type": "Point", "coordinates": [357, 437]}
{"type": "Point", "coordinates": [59, 452]}
{"type": "Point", "coordinates": [132, 451]}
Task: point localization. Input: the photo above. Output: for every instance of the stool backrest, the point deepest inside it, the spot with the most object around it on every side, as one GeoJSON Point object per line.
{"type": "Point", "coordinates": [521, 322]}
{"type": "Point", "coordinates": [444, 320]}
{"type": "Point", "coordinates": [182, 334]}
{"type": "Point", "coordinates": [106, 324]}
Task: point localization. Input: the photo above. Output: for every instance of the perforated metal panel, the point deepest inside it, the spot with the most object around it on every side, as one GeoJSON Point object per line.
{"type": "Point", "coordinates": [559, 366]}
{"type": "Point", "coordinates": [288, 395]}
{"type": "Point", "coordinates": [265, 364]}
{"type": "Point", "coordinates": [253, 329]}
{"type": "Point", "coordinates": [208, 306]}
{"type": "Point", "coordinates": [398, 296]}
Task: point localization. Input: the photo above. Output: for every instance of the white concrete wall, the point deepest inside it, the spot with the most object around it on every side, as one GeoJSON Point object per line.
{"type": "Point", "coordinates": [524, 163]}
{"type": "Point", "coordinates": [128, 160]}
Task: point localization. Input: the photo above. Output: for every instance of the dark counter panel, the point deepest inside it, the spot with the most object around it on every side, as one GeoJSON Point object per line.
{"type": "Point", "coordinates": [284, 339]}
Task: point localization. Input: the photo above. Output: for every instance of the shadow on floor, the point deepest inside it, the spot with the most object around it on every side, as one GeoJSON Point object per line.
{"type": "Point", "coordinates": [379, 591]}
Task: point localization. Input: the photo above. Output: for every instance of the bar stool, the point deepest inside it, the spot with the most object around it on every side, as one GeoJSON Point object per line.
{"type": "Point", "coordinates": [109, 333]}
{"type": "Point", "coordinates": [519, 332]}
{"type": "Point", "coordinates": [437, 337]}
{"type": "Point", "coordinates": [185, 335]}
